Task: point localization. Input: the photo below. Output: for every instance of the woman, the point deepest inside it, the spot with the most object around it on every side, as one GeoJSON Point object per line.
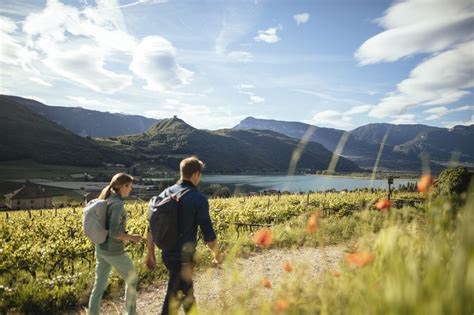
{"type": "Point", "coordinates": [112, 253]}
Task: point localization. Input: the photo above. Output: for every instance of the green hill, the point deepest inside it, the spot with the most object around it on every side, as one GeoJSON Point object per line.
{"type": "Point", "coordinates": [28, 135]}
{"type": "Point", "coordinates": [229, 150]}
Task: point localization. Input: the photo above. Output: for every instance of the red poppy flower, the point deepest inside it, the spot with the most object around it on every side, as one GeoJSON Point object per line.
{"type": "Point", "coordinates": [425, 184]}
{"type": "Point", "coordinates": [266, 283]}
{"type": "Point", "coordinates": [336, 274]}
{"type": "Point", "coordinates": [312, 223]}
{"type": "Point", "coordinates": [383, 204]}
{"type": "Point", "coordinates": [288, 267]}
{"type": "Point", "coordinates": [281, 305]}
{"type": "Point", "coordinates": [360, 259]}
{"type": "Point", "coordinates": [263, 237]}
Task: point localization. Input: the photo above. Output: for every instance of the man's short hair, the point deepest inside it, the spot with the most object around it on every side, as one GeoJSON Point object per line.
{"type": "Point", "coordinates": [189, 166]}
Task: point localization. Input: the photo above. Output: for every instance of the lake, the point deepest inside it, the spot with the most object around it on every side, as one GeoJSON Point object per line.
{"type": "Point", "coordinates": [255, 183]}
{"type": "Point", "coordinates": [297, 183]}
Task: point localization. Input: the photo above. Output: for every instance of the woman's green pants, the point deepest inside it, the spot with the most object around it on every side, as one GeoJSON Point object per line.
{"type": "Point", "coordinates": [124, 266]}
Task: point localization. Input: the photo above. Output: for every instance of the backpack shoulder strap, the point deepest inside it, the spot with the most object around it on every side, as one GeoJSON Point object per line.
{"type": "Point", "coordinates": [181, 193]}
{"type": "Point", "coordinates": [109, 203]}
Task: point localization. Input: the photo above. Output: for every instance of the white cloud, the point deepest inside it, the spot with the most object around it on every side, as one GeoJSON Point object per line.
{"type": "Point", "coordinates": [419, 26]}
{"type": "Point", "coordinates": [358, 110]}
{"type": "Point", "coordinates": [442, 28]}
{"type": "Point", "coordinates": [450, 124]}
{"type": "Point", "coordinates": [154, 60]}
{"type": "Point", "coordinates": [86, 66]}
{"type": "Point", "coordinates": [269, 36]}
{"type": "Point", "coordinates": [332, 117]}
{"type": "Point", "coordinates": [238, 19]}
{"type": "Point", "coordinates": [241, 56]}
{"type": "Point", "coordinates": [438, 112]}
{"type": "Point", "coordinates": [35, 98]}
{"type": "Point", "coordinates": [246, 93]}
{"type": "Point", "coordinates": [40, 81]}
{"type": "Point", "coordinates": [254, 99]}
{"type": "Point", "coordinates": [301, 18]}
{"type": "Point", "coordinates": [443, 79]}
{"type": "Point", "coordinates": [198, 116]}
{"type": "Point", "coordinates": [143, 2]}
{"type": "Point", "coordinates": [103, 24]}
{"type": "Point", "coordinates": [340, 119]}
{"type": "Point", "coordinates": [329, 97]}
{"type": "Point", "coordinates": [85, 101]}
{"type": "Point", "coordinates": [247, 86]}
{"type": "Point", "coordinates": [7, 25]}
{"type": "Point", "coordinates": [407, 119]}
{"type": "Point", "coordinates": [12, 51]}
{"type": "Point", "coordinates": [77, 44]}
{"type": "Point", "coordinates": [103, 103]}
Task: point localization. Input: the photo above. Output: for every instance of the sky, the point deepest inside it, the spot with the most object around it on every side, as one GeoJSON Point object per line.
{"type": "Point", "coordinates": [331, 63]}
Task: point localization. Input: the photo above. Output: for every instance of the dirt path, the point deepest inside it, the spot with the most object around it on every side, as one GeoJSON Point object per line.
{"type": "Point", "coordinates": [213, 286]}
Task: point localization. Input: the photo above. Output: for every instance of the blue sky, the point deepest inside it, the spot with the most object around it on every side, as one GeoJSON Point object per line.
{"type": "Point", "coordinates": [338, 64]}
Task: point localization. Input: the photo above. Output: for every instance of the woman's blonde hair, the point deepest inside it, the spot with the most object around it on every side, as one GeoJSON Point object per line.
{"type": "Point", "coordinates": [116, 183]}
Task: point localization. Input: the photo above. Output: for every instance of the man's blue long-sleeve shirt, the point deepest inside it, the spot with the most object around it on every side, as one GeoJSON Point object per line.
{"type": "Point", "coordinates": [193, 212]}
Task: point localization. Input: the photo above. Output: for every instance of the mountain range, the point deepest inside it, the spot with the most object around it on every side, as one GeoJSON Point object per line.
{"type": "Point", "coordinates": [56, 135]}
{"type": "Point", "coordinates": [403, 149]}
{"type": "Point", "coordinates": [31, 135]}
{"type": "Point", "coordinates": [86, 122]}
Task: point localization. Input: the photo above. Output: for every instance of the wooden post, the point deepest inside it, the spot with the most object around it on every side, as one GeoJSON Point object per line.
{"type": "Point", "coordinates": [29, 213]}
{"type": "Point", "coordinates": [6, 214]}
{"type": "Point", "coordinates": [268, 204]}
{"type": "Point", "coordinates": [307, 198]}
{"type": "Point", "coordinates": [390, 182]}
{"type": "Point", "coordinates": [55, 211]}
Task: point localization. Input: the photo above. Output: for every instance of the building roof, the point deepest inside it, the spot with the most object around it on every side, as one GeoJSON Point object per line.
{"type": "Point", "coordinates": [30, 191]}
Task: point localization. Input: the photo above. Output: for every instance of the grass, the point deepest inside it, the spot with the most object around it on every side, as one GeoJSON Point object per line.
{"type": "Point", "coordinates": [423, 261]}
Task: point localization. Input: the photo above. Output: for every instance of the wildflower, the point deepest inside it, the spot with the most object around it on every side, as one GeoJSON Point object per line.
{"type": "Point", "coordinates": [312, 223]}
{"type": "Point", "coordinates": [336, 274]}
{"type": "Point", "coordinates": [383, 204]}
{"type": "Point", "coordinates": [287, 266]}
{"type": "Point", "coordinates": [360, 259]}
{"type": "Point", "coordinates": [263, 238]}
{"type": "Point", "coordinates": [425, 184]}
{"type": "Point", "coordinates": [281, 305]}
{"type": "Point", "coordinates": [266, 283]}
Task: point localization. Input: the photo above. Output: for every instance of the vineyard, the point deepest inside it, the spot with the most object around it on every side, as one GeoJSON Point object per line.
{"type": "Point", "coordinates": [47, 264]}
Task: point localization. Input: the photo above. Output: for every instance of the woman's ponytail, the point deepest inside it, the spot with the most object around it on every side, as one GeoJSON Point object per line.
{"type": "Point", "coordinates": [105, 193]}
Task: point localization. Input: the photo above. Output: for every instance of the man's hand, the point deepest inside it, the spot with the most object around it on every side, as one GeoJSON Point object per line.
{"type": "Point", "coordinates": [218, 258]}
{"type": "Point", "coordinates": [150, 256]}
{"type": "Point", "coordinates": [150, 262]}
{"type": "Point", "coordinates": [136, 238]}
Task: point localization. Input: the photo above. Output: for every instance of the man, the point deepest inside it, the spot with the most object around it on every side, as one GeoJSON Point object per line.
{"type": "Point", "coordinates": [193, 212]}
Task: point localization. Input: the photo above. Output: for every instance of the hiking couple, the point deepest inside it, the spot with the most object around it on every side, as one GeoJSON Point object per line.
{"type": "Point", "coordinates": [193, 211]}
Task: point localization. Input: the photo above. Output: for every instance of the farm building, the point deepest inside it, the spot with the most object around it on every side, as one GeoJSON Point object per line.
{"type": "Point", "coordinates": [30, 196]}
